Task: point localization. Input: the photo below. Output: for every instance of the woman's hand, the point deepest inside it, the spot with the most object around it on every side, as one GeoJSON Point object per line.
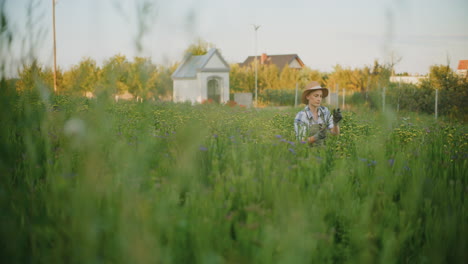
{"type": "Point", "coordinates": [321, 134]}
{"type": "Point", "coordinates": [337, 116]}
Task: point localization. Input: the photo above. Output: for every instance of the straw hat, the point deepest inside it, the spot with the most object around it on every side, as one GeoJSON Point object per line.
{"type": "Point", "coordinates": [312, 86]}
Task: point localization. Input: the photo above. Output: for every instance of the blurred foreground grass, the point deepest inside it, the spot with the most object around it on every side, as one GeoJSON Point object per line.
{"type": "Point", "coordinates": [92, 181]}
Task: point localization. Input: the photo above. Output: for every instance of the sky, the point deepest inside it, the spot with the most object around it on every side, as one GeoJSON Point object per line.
{"type": "Point", "coordinates": [352, 33]}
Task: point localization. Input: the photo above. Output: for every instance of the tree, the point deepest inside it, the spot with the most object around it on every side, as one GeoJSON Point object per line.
{"type": "Point", "coordinates": [380, 75]}
{"type": "Point", "coordinates": [306, 75]}
{"type": "Point", "coordinates": [31, 77]}
{"type": "Point", "coordinates": [142, 78]}
{"type": "Point", "coordinates": [201, 47]}
{"type": "Point", "coordinates": [82, 78]}
{"type": "Point", "coordinates": [164, 83]}
{"type": "Point", "coordinates": [441, 77]}
{"type": "Point", "coordinates": [49, 78]}
{"type": "Point", "coordinates": [453, 91]}
{"type": "Point", "coordinates": [241, 79]}
{"type": "Point", "coordinates": [114, 75]}
{"type": "Point", "coordinates": [288, 78]}
{"type": "Point", "coordinates": [268, 77]}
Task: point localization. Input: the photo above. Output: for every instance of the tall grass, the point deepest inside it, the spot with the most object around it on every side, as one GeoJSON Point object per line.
{"type": "Point", "coordinates": [92, 181]}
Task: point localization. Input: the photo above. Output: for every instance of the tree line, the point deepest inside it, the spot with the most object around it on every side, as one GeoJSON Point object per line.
{"type": "Point", "coordinates": [118, 75]}
{"type": "Point", "coordinates": [145, 80]}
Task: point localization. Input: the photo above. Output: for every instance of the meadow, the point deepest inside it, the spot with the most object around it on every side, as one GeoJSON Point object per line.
{"type": "Point", "coordinates": [94, 181]}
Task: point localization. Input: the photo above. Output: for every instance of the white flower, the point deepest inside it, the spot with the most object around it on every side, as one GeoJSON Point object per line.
{"type": "Point", "coordinates": [75, 128]}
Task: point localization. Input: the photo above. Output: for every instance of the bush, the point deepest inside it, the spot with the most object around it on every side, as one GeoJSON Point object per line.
{"type": "Point", "coordinates": [421, 99]}
{"type": "Point", "coordinates": [279, 97]}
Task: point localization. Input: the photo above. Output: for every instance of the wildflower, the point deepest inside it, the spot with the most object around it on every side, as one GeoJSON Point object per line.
{"type": "Point", "coordinates": [303, 142]}
{"type": "Point", "coordinates": [292, 151]}
{"type": "Point", "coordinates": [202, 148]}
{"type": "Point", "coordinates": [391, 162]}
{"type": "Point", "coordinates": [291, 143]}
{"type": "Point", "coordinates": [215, 135]}
{"type": "Point", "coordinates": [278, 136]}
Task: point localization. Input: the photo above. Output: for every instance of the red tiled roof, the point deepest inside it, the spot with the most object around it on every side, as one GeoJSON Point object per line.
{"type": "Point", "coordinates": [463, 65]}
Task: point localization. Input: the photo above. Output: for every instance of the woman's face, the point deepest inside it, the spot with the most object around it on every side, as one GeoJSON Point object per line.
{"type": "Point", "coordinates": [315, 98]}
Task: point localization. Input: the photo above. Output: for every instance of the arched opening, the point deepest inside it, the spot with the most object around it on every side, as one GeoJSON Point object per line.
{"type": "Point", "coordinates": [214, 90]}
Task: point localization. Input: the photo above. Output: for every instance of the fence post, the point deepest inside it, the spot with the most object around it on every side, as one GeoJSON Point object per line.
{"type": "Point", "coordinates": [436, 100]}
{"type": "Point", "coordinates": [337, 89]}
{"type": "Point", "coordinates": [399, 91]}
{"type": "Point", "coordinates": [295, 97]}
{"type": "Point", "coordinates": [344, 96]}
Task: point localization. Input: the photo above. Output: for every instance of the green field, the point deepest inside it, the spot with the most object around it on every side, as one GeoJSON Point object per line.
{"type": "Point", "coordinates": [93, 181]}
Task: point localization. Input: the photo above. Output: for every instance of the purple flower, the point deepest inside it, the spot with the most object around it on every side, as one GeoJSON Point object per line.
{"type": "Point", "coordinates": [278, 136]}
{"type": "Point", "coordinates": [303, 142]}
{"type": "Point", "coordinates": [215, 135]}
{"type": "Point", "coordinates": [292, 151]}
{"type": "Point", "coordinates": [391, 162]}
{"type": "Point", "coordinates": [202, 148]}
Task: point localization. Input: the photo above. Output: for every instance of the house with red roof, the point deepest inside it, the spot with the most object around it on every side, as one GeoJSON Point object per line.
{"type": "Point", "coordinates": [292, 60]}
{"type": "Point", "coordinates": [462, 69]}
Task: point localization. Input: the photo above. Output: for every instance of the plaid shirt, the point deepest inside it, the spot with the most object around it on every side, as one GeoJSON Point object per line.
{"type": "Point", "coordinates": [304, 119]}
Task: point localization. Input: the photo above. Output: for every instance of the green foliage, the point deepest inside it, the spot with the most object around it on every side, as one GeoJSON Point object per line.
{"type": "Point", "coordinates": [360, 80]}
{"type": "Point", "coordinates": [452, 91]}
{"type": "Point", "coordinates": [200, 47]}
{"type": "Point", "coordinates": [91, 181]}
{"type": "Point", "coordinates": [115, 75]}
{"type": "Point", "coordinates": [268, 77]}
{"type": "Point", "coordinates": [409, 97]}
{"type": "Point", "coordinates": [277, 97]}
{"type": "Point", "coordinates": [164, 83]}
{"type": "Point", "coordinates": [81, 78]}
{"type": "Point", "coordinates": [31, 77]}
{"type": "Point", "coordinates": [142, 77]}
{"type": "Point", "coordinates": [241, 79]}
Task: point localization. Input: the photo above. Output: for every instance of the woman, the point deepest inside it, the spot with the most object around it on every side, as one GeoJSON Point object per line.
{"type": "Point", "coordinates": [312, 123]}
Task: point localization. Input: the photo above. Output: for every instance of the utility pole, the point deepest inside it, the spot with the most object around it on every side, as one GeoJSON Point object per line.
{"type": "Point", "coordinates": [256, 27]}
{"type": "Point", "coordinates": [55, 47]}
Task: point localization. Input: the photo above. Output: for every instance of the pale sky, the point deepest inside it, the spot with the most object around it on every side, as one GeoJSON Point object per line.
{"type": "Point", "coordinates": [352, 33]}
